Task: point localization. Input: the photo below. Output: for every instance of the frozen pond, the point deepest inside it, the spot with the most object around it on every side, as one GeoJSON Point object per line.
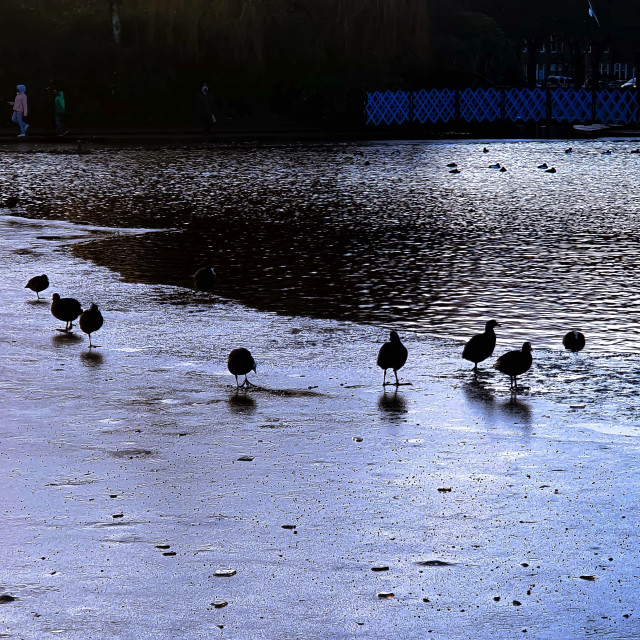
{"type": "Point", "coordinates": [133, 473]}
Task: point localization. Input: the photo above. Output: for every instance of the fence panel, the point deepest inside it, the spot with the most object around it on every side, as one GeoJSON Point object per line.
{"type": "Point", "coordinates": [388, 107]}
{"type": "Point", "coordinates": [525, 104]}
{"type": "Point", "coordinates": [477, 105]}
{"type": "Point", "coordinates": [434, 105]}
{"type": "Point", "coordinates": [571, 105]}
{"type": "Point", "coordinates": [617, 107]}
{"type": "Point", "coordinates": [490, 105]}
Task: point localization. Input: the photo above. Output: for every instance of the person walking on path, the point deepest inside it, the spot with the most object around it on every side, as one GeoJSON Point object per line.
{"type": "Point", "coordinates": [204, 106]}
{"type": "Point", "coordinates": [59, 111]}
{"type": "Point", "coordinates": [20, 110]}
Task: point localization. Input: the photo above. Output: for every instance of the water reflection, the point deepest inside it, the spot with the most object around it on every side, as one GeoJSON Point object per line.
{"type": "Point", "coordinates": [91, 358]}
{"type": "Point", "coordinates": [310, 229]}
{"type": "Point", "coordinates": [392, 405]}
{"type": "Point", "coordinates": [241, 402]}
{"type": "Point", "coordinates": [62, 339]}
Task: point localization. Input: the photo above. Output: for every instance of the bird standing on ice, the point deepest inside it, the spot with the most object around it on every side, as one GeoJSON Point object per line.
{"type": "Point", "coordinates": [392, 355]}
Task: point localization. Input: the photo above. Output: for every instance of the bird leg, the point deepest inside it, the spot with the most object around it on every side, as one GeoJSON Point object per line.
{"type": "Point", "coordinates": [384, 379]}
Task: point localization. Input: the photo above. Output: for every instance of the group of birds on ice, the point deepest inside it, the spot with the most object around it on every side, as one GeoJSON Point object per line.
{"type": "Point", "coordinates": [240, 361]}
{"type": "Point", "coordinates": [392, 355]}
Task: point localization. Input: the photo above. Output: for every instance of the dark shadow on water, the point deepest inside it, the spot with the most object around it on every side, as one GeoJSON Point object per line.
{"type": "Point", "coordinates": [39, 303]}
{"type": "Point", "coordinates": [62, 339]}
{"type": "Point", "coordinates": [392, 405]}
{"type": "Point", "coordinates": [241, 402]}
{"type": "Point", "coordinates": [91, 358]}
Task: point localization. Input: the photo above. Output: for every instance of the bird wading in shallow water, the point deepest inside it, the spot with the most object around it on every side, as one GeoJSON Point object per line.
{"type": "Point", "coordinates": [204, 279]}
{"type": "Point", "coordinates": [392, 355]}
{"type": "Point", "coordinates": [240, 362]}
{"type": "Point", "coordinates": [515, 363]}
{"type": "Point", "coordinates": [90, 320]}
{"type": "Point", "coordinates": [38, 284]}
{"type": "Point", "coordinates": [481, 346]}
{"type": "Point", "coordinates": [65, 309]}
{"type": "Point", "coordinates": [574, 341]}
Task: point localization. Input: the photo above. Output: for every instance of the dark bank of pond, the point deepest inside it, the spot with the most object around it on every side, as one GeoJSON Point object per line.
{"type": "Point", "coordinates": [379, 232]}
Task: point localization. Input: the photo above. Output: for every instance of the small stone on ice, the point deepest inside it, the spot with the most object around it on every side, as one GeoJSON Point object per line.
{"type": "Point", "coordinates": [245, 459]}
{"type": "Point", "coordinates": [587, 577]}
{"type": "Point", "coordinates": [289, 526]}
{"type": "Point", "coordinates": [380, 568]}
{"type": "Point", "coordinates": [357, 439]}
{"type": "Point", "coordinates": [225, 573]}
{"type": "Point", "coordinates": [385, 595]}
{"type": "Point", "coordinates": [6, 598]}
{"type": "Point", "coordinates": [218, 603]}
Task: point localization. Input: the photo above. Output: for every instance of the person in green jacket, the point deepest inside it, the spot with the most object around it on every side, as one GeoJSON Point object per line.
{"type": "Point", "coordinates": [59, 111]}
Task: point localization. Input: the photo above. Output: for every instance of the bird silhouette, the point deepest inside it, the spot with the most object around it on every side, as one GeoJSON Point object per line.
{"type": "Point", "coordinates": [569, 150]}
{"type": "Point", "coordinates": [204, 279]}
{"type": "Point", "coordinates": [38, 284]}
{"type": "Point", "coordinates": [494, 166]}
{"type": "Point", "coordinates": [574, 341]}
{"type": "Point", "coordinates": [240, 362]}
{"type": "Point", "coordinates": [454, 171]}
{"type": "Point", "coordinates": [515, 363]}
{"type": "Point", "coordinates": [65, 309]}
{"type": "Point", "coordinates": [551, 170]}
{"type": "Point", "coordinates": [452, 164]}
{"type": "Point", "coordinates": [481, 346]}
{"type": "Point", "coordinates": [392, 355]}
{"type": "Point", "coordinates": [544, 165]}
{"type": "Point", "coordinates": [90, 320]}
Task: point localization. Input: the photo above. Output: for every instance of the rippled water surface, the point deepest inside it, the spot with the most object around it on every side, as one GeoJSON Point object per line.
{"type": "Point", "coordinates": [378, 232]}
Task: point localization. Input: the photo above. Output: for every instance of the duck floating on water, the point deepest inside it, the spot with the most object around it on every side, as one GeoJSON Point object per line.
{"type": "Point", "coordinates": [574, 341]}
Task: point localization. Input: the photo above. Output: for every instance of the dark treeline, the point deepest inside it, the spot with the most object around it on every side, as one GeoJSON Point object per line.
{"type": "Point", "coordinates": [141, 62]}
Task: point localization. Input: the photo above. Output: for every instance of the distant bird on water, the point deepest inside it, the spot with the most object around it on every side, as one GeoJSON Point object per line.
{"type": "Point", "coordinates": [551, 170]}
{"type": "Point", "coordinates": [569, 150]}
{"type": "Point", "coordinates": [454, 171]}
{"type": "Point", "coordinates": [452, 164]}
{"type": "Point", "coordinates": [574, 341]}
{"type": "Point", "coordinates": [204, 279]}
{"type": "Point", "coordinates": [515, 363]}
{"type": "Point", "coordinates": [38, 284]}
{"type": "Point", "coordinates": [481, 346]}
{"type": "Point", "coordinates": [240, 362]}
{"type": "Point", "coordinates": [65, 309]}
{"type": "Point", "coordinates": [90, 320]}
{"type": "Point", "coordinates": [392, 355]}
{"type": "Point", "coordinates": [494, 166]}
{"type": "Point", "coordinates": [544, 165]}
{"type": "Point", "coordinates": [485, 150]}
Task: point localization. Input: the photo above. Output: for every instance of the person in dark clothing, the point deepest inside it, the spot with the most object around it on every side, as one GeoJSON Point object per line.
{"type": "Point", "coordinates": [59, 111]}
{"type": "Point", "coordinates": [204, 108]}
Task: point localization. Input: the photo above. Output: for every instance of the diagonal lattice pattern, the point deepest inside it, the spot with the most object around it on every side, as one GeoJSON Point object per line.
{"type": "Point", "coordinates": [525, 104]}
{"type": "Point", "coordinates": [388, 107]}
{"type": "Point", "coordinates": [571, 105]}
{"type": "Point", "coordinates": [478, 105]}
{"type": "Point", "coordinates": [616, 107]}
{"type": "Point", "coordinates": [481, 105]}
{"type": "Point", "coordinates": [434, 105]}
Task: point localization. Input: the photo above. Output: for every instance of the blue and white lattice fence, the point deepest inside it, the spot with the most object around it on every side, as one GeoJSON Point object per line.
{"type": "Point", "coordinates": [500, 105]}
